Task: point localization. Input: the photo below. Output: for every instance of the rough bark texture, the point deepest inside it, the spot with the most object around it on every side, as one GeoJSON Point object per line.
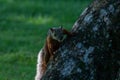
{"type": "Point", "coordinates": [94, 52]}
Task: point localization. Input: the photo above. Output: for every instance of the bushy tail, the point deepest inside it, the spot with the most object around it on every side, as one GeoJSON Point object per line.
{"type": "Point", "coordinates": [40, 66]}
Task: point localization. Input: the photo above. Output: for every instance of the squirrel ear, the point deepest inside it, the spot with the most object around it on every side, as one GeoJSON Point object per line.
{"type": "Point", "coordinates": [61, 27]}
{"type": "Point", "coordinates": [51, 29]}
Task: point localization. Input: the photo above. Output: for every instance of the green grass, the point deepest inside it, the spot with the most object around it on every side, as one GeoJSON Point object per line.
{"type": "Point", "coordinates": [23, 28]}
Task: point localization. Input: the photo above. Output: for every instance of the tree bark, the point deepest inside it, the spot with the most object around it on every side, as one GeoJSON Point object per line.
{"type": "Point", "coordinates": [93, 53]}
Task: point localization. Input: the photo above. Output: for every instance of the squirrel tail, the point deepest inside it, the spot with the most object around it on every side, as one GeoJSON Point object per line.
{"type": "Point", "coordinates": [40, 70]}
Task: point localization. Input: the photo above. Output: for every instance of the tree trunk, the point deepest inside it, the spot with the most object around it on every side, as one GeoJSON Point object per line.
{"type": "Point", "coordinates": [94, 52]}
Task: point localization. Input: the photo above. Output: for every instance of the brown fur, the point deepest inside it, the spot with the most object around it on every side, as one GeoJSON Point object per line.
{"type": "Point", "coordinates": [52, 45]}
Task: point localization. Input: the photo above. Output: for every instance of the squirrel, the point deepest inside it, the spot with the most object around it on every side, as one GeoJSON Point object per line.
{"type": "Point", "coordinates": [54, 38]}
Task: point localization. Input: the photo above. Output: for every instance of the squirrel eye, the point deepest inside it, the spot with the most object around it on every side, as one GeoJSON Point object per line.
{"type": "Point", "coordinates": [54, 34]}
{"type": "Point", "coordinates": [61, 38]}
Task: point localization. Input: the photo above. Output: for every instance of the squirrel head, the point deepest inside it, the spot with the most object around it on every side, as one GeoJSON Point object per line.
{"type": "Point", "coordinates": [57, 33]}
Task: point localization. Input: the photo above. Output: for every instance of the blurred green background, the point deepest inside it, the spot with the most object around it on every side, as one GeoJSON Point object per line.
{"type": "Point", "coordinates": [23, 28]}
